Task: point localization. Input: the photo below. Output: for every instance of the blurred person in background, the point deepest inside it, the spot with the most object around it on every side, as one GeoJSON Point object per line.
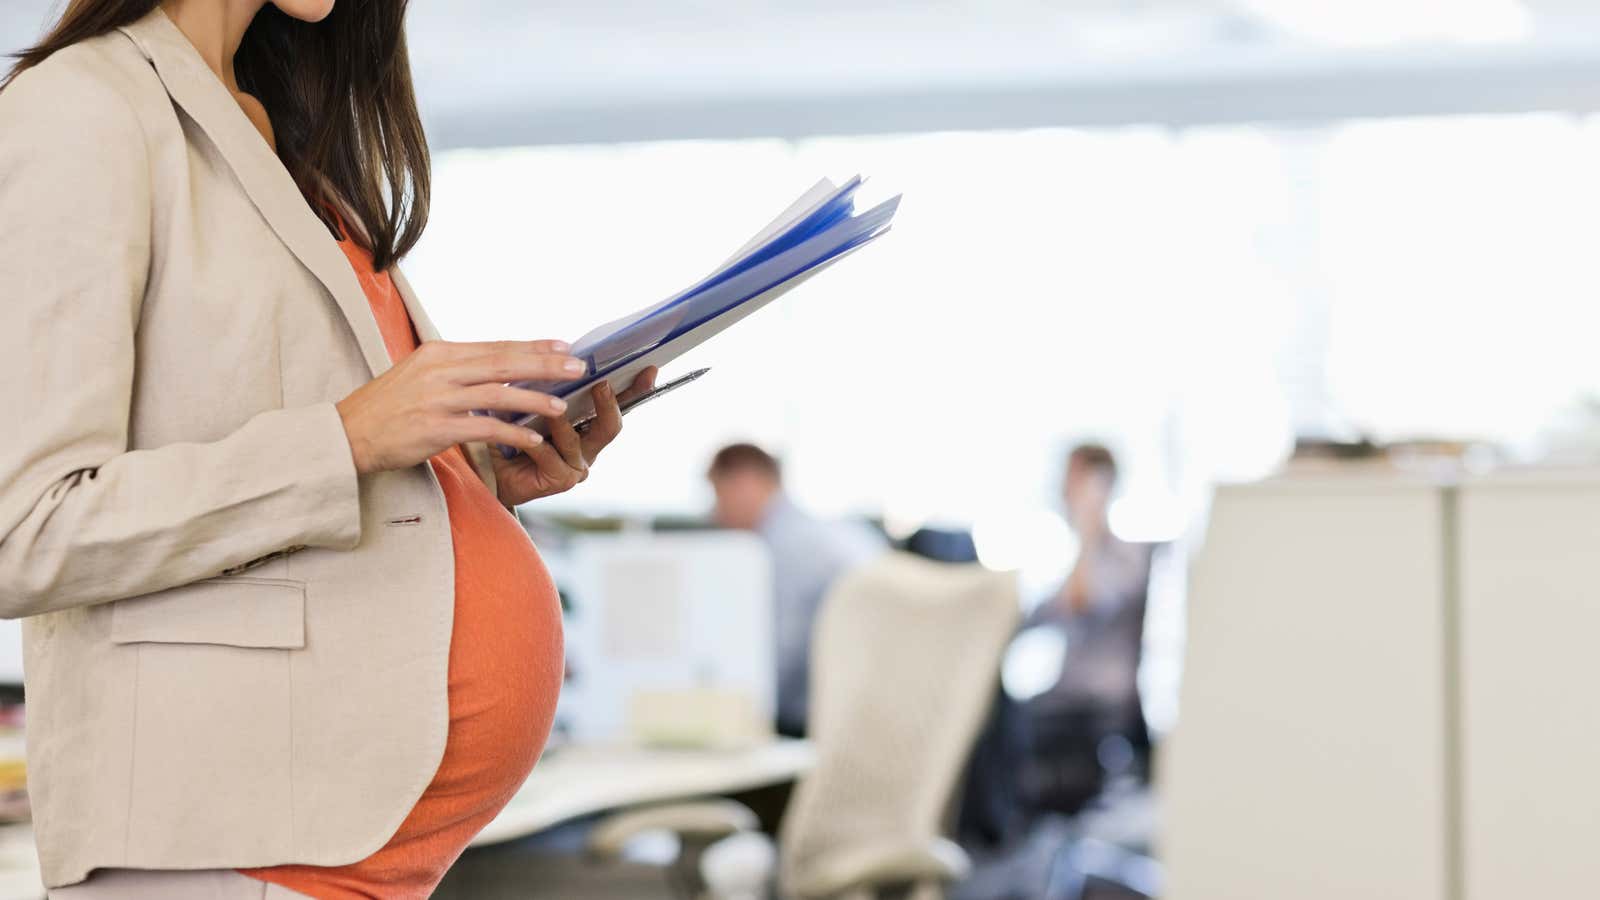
{"type": "Point", "coordinates": [1091, 720]}
{"type": "Point", "coordinates": [808, 556]}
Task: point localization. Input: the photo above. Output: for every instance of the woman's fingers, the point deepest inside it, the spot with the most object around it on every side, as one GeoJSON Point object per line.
{"type": "Point", "coordinates": [643, 383]}
{"type": "Point", "coordinates": [506, 398]}
{"type": "Point", "coordinates": [505, 365]}
{"type": "Point", "coordinates": [607, 422]}
{"type": "Point", "coordinates": [490, 430]}
{"type": "Point", "coordinates": [553, 466]}
{"type": "Point", "coordinates": [566, 441]}
{"type": "Point", "coordinates": [469, 349]}
{"type": "Point", "coordinates": [418, 407]}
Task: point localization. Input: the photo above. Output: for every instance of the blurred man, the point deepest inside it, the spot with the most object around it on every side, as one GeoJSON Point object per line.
{"type": "Point", "coordinates": [808, 555]}
{"type": "Point", "coordinates": [1109, 574]}
{"type": "Point", "coordinates": [1100, 609]}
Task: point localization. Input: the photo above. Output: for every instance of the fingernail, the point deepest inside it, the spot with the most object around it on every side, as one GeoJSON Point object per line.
{"type": "Point", "coordinates": [575, 366]}
{"type": "Point", "coordinates": [559, 404]}
{"type": "Point", "coordinates": [560, 346]}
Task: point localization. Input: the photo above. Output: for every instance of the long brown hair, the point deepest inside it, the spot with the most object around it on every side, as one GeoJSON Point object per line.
{"type": "Point", "coordinates": [340, 96]}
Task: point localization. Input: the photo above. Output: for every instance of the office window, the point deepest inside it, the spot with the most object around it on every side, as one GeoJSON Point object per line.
{"type": "Point", "coordinates": [1039, 286]}
{"type": "Point", "coordinates": [1194, 297]}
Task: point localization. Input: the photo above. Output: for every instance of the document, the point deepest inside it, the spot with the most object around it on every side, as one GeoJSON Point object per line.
{"type": "Point", "coordinates": [818, 229]}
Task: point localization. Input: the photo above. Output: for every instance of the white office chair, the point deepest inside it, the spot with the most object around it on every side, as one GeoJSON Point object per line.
{"type": "Point", "coordinates": [905, 661]}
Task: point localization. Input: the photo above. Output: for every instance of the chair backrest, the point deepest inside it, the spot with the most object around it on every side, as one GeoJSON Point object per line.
{"type": "Point", "coordinates": [904, 664]}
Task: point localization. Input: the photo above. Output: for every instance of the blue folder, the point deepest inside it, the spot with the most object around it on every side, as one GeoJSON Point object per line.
{"type": "Point", "coordinates": [820, 227]}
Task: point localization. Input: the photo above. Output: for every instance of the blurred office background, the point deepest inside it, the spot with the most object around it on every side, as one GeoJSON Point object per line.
{"type": "Point", "coordinates": [1199, 231]}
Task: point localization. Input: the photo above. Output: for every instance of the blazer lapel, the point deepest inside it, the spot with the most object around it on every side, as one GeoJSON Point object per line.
{"type": "Point", "coordinates": [419, 316]}
{"type": "Point", "coordinates": [195, 88]}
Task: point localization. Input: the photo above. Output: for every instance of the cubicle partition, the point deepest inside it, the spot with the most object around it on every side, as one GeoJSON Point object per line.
{"type": "Point", "coordinates": [1311, 758]}
{"type": "Point", "coordinates": [1386, 692]}
{"type": "Point", "coordinates": [1530, 730]}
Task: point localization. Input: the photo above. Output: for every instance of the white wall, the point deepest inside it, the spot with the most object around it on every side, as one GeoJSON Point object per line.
{"type": "Point", "coordinates": [509, 72]}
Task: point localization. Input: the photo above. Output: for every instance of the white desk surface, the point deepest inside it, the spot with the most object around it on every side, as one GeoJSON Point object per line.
{"type": "Point", "coordinates": [19, 864]}
{"type": "Point", "coordinates": [571, 781]}
{"type": "Point", "coordinates": [583, 779]}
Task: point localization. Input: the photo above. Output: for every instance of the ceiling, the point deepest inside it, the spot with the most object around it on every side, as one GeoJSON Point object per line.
{"type": "Point", "coordinates": [495, 72]}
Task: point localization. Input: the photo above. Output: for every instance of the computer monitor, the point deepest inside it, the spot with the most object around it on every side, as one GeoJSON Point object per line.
{"type": "Point", "coordinates": [682, 619]}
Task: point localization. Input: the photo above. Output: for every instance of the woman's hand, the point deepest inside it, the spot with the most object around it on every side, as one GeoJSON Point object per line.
{"type": "Point", "coordinates": [423, 404]}
{"type": "Point", "coordinates": [562, 463]}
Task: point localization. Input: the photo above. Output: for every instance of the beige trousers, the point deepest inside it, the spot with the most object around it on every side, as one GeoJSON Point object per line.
{"type": "Point", "coordinates": [146, 884]}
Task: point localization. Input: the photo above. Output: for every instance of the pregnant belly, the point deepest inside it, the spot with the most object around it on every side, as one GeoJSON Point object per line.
{"type": "Point", "coordinates": [505, 648]}
{"type": "Point", "coordinates": [505, 675]}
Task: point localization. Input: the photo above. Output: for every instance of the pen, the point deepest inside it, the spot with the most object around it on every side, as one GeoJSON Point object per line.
{"type": "Point", "coordinates": [585, 423]}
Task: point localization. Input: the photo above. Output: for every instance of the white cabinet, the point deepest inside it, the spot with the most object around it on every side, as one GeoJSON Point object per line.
{"type": "Point", "coordinates": [1390, 692]}
{"type": "Point", "coordinates": [1310, 759]}
{"type": "Point", "coordinates": [1530, 735]}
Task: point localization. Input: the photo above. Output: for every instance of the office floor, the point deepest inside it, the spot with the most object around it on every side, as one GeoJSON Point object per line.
{"type": "Point", "coordinates": [515, 873]}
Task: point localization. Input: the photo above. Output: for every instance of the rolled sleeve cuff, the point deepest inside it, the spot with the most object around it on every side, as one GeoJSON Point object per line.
{"type": "Point", "coordinates": [326, 496]}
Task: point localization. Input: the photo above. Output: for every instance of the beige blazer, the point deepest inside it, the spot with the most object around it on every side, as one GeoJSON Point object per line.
{"type": "Point", "coordinates": [236, 650]}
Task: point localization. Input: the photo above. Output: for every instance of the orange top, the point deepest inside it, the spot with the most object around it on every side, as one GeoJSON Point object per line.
{"type": "Point", "coordinates": [505, 671]}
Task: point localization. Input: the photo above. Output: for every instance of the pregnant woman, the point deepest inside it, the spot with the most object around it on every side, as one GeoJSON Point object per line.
{"type": "Point", "coordinates": [283, 636]}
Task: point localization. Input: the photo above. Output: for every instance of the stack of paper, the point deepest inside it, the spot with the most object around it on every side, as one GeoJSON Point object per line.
{"type": "Point", "coordinates": [816, 231]}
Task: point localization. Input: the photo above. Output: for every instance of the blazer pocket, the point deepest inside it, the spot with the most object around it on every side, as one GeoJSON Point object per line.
{"type": "Point", "coordinates": [237, 611]}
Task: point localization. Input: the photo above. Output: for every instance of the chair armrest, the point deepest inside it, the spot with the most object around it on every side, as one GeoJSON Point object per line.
{"type": "Point", "coordinates": [699, 822]}
{"type": "Point", "coordinates": [936, 859]}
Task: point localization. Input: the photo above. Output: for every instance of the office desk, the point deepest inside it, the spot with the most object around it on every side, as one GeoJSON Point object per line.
{"type": "Point", "coordinates": [19, 864]}
{"type": "Point", "coordinates": [579, 780]}
{"type": "Point", "coordinates": [572, 781]}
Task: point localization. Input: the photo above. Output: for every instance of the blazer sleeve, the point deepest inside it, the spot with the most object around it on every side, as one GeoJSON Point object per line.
{"type": "Point", "coordinates": [84, 519]}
